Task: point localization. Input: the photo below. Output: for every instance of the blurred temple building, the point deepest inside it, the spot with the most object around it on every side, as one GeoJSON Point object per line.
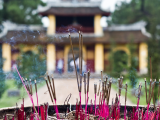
{"type": "Point", "coordinates": [71, 16]}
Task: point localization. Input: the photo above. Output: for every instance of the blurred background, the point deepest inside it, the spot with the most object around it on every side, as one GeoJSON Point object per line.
{"type": "Point", "coordinates": [120, 37]}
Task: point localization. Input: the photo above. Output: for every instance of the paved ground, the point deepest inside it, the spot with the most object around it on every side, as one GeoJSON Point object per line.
{"type": "Point", "coordinates": [63, 88]}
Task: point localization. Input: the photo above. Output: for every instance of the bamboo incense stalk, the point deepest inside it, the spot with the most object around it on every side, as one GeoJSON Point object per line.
{"type": "Point", "coordinates": [85, 83]}
{"type": "Point", "coordinates": [31, 86]}
{"type": "Point", "coordinates": [139, 91]}
{"type": "Point", "coordinates": [100, 83]}
{"type": "Point", "coordinates": [74, 61]}
{"type": "Point", "coordinates": [54, 90]}
{"type": "Point", "coordinates": [107, 93]}
{"type": "Point", "coordinates": [49, 91]}
{"type": "Point", "coordinates": [88, 77]}
{"type": "Point", "coordinates": [126, 94]}
{"type": "Point", "coordinates": [81, 59]}
{"type": "Point", "coordinates": [95, 88]}
{"type": "Point", "coordinates": [146, 91]}
{"type": "Point", "coordinates": [35, 85]}
{"type": "Point", "coordinates": [27, 85]}
{"type": "Point", "coordinates": [110, 83]}
{"type": "Point", "coordinates": [152, 91]}
{"type": "Point", "coordinates": [99, 87]}
{"type": "Point", "coordinates": [79, 52]}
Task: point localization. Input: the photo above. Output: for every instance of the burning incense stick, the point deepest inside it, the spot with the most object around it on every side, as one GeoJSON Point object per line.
{"type": "Point", "coordinates": [74, 62]}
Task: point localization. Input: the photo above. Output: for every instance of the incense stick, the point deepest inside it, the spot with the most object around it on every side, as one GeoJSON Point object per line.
{"type": "Point", "coordinates": [146, 91]}
{"type": "Point", "coordinates": [49, 90]}
{"type": "Point", "coordinates": [126, 94]}
{"type": "Point", "coordinates": [36, 95]}
{"type": "Point", "coordinates": [110, 83]}
{"type": "Point", "coordinates": [100, 83]}
{"type": "Point", "coordinates": [52, 91]}
{"type": "Point", "coordinates": [152, 93]}
{"type": "Point", "coordinates": [31, 86]}
{"type": "Point", "coordinates": [88, 76]}
{"type": "Point", "coordinates": [74, 61]}
{"type": "Point", "coordinates": [85, 86]}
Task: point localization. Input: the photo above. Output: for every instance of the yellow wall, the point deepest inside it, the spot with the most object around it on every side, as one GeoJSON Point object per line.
{"type": "Point", "coordinates": [66, 51]}
{"type": "Point", "coordinates": [143, 55]}
{"type": "Point", "coordinates": [6, 54]}
{"type": "Point", "coordinates": [52, 25]}
{"type": "Point", "coordinates": [99, 58]}
{"type": "Point", "coordinates": [98, 30]}
{"type": "Point", "coordinates": [51, 57]}
{"type": "Point", "coordinates": [90, 54]}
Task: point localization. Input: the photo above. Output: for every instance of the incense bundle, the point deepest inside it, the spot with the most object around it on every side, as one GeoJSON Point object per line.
{"type": "Point", "coordinates": [100, 83]}
{"type": "Point", "coordinates": [74, 62]}
{"type": "Point", "coordinates": [152, 91]}
{"type": "Point", "coordinates": [49, 90]}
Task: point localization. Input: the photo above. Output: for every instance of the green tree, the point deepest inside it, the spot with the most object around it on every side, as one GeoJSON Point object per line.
{"type": "Point", "coordinates": [148, 11]}
{"type": "Point", "coordinates": [20, 11]}
{"type": "Point", "coordinates": [31, 65]}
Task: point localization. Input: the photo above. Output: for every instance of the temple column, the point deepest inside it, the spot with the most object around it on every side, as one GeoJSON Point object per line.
{"type": "Point", "coordinates": [6, 55]}
{"type": "Point", "coordinates": [52, 25]}
{"type": "Point", "coordinates": [143, 58]}
{"type": "Point", "coordinates": [99, 58]}
{"type": "Point", "coordinates": [98, 30]}
{"type": "Point", "coordinates": [51, 57]}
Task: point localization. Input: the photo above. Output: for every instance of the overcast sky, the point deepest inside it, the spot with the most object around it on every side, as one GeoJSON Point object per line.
{"type": "Point", "coordinates": [106, 5]}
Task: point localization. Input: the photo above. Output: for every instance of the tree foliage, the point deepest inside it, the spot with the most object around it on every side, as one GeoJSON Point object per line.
{"type": "Point", "coordinates": [20, 11]}
{"type": "Point", "coordinates": [31, 65]}
{"type": "Point", "coordinates": [147, 10]}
